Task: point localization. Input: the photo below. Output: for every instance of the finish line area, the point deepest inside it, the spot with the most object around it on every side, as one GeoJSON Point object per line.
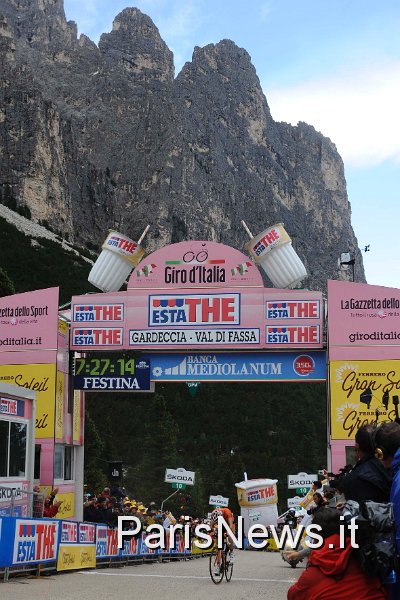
{"type": "Point", "coordinates": [259, 574]}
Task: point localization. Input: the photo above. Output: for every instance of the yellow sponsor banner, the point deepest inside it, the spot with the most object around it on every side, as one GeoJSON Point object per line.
{"type": "Point", "coordinates": [62, 327]}
{"type": "Point", "coordinates": [42, 380]}
{"type": "Point", "coordinates": [74, 556]}
{"type": "Point", "coordinates": [307, 500]}
{"type": "Point", "coordinates": [197, 550]}
{"type": "Point", "coordinates": [361, 392]}
{"type": "Point", "coordinates": [67, 508]}
{"type": "Point", "coordinates": [76, 428]}
{"type": "Point", "coordinates": [60, 387]}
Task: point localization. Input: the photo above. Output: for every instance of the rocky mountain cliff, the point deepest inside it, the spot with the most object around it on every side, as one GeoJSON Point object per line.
{"type": "Point", "coordinates": [94, 137]}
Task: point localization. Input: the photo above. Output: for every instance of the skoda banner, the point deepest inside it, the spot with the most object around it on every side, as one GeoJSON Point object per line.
{"type": "Point", "coordinates": [179, 476]}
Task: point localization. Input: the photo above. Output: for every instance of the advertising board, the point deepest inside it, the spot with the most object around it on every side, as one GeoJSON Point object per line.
{"type": "Point", "coordinates": [197, 294]}
{"type": "Point", "coordinates": [28, 322]}
{"type": "Point", "coordinates": [363, 321]}
{"type": "Point", "coordinates": [40, 378]}
{"type": "Point", "coordinates": [77, 549]}
{"type": "Point", "coordinates": [218, 501]}
{"type": "Point", "coordinates": [301, 479]}
{"type": "Point", "coordinates": [179, 476]}
{"type": "Point", "coordinates": [122, 374]}
{"type": "Point", "coordinates": [243, 366]}
{"type": "Point", "coordinates": [35, 541]}
{"type": "Point", "coordinates": [358, 389]}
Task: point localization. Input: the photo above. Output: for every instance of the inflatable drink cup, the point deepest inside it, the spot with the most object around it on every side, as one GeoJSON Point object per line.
{"type": "Point", "coordinates": [272, 250]}
{"type": "Point", "coordinates": [258, 502]}
{"type": "Point", "coordinates": [119, 256]}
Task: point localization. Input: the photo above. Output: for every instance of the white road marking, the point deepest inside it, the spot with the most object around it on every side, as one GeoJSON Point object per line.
{"type": "Point", "coordinates": [183, 576]}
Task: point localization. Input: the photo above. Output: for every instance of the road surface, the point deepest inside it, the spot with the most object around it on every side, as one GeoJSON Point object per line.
{"type": "Point", "coordinates": [255, 575]}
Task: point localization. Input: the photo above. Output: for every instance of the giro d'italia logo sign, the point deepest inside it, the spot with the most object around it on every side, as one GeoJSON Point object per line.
{"type": "Point", "coordinates": [303, 365]}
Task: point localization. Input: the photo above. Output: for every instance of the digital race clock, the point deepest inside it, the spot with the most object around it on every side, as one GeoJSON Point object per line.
{"type": "Point", "coordinates": [118, 373]}
{"type": "Point", "coordinates": [104, 367]}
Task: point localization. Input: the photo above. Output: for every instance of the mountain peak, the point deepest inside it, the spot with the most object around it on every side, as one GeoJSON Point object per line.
{"type": "Point", "coordinates": [135, 45]}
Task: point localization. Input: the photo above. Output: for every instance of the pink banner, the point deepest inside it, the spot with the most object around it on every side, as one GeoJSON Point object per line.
{"type": "Point", "coordinates": [363, 321]}
{"type": "Point", "coordinates": [197, 295]}
{"type": "Point", "coordinates": [28, 323]}
{"type": "Point", "coordinates": [195, 264]}
{"type": "Point", "coordinates": [207, 318]}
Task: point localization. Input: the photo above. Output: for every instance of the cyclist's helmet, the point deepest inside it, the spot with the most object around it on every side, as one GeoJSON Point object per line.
{"type": "Point", "coordinates": [216, 513]}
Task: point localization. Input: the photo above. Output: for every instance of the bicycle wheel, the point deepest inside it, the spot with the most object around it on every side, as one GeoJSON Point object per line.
{"type": "Point", "coordinates": [228, 565]}
{"type": "Point", "coordinates": [215, 567]}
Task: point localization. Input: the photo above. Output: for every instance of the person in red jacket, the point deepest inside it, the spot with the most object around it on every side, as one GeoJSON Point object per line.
{"type": "Point", "coordinates": [334, 573]}
{"type": "Point", "coordinates": [50, 507]}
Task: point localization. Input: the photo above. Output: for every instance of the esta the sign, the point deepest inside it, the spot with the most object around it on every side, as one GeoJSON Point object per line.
{"type": "Point", "coordinates": [194, 309]}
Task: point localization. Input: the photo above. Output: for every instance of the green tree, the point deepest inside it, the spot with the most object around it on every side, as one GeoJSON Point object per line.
{"type": "Point", "coordinates": [95, 477]}
{"type": "Point", "coordinates": [6, 285]}
{"type": "Point", "coordinates": [159, 453]}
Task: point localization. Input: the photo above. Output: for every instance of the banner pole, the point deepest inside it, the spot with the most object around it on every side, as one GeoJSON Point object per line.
{"type": "Point", "coordinates": [173, 494]}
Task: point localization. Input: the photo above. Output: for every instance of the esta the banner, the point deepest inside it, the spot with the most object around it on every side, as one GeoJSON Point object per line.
{"type": "Point", "coordinates": [259, 493]}
{"type": "Point", "coordinates": [77, 549]}
{"type": "Point", "coordinates": [358, 389]}
{"type": "Point", "coordinates": [27, 541]}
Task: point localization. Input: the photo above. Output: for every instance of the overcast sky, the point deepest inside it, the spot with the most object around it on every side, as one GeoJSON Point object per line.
{"type": "Point", "coordinates": [334, 64]}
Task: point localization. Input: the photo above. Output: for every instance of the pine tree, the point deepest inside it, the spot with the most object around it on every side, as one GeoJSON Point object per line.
{"type": "Point", "coordinates": [95, 478]}
{"type": "Point", "coordinates": [6, 285]}
{"type": "Point", "coordinates": [159, 453]}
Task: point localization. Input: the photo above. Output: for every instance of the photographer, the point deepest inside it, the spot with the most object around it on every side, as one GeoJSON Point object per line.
{"type": "Point", "coordinates": [368, 480]}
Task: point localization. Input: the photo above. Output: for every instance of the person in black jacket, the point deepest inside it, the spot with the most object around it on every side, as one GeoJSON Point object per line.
{"type": "Point", "coordinates": [368, 480]}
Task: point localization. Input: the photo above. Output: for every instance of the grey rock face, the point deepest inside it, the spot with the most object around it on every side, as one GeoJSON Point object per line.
{"type": "Point", "coordinates": [99, 137]}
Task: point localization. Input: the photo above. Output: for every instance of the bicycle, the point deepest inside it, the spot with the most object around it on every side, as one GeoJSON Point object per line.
{"type": "Point", "coordinates": [223, 560]}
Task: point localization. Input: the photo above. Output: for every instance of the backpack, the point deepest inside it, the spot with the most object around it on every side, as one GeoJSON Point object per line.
{"type": "Point", "coordinates": [376, 538]}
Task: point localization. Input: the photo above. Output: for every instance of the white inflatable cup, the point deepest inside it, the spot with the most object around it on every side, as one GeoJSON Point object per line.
{"type": "Point", "coordinates": [119, 256]}
{"type": "Point", "coordinates": [273, 251]}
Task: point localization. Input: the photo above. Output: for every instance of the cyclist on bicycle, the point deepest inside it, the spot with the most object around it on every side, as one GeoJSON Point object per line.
{"type": "Point", "coordinates": [227, 515]}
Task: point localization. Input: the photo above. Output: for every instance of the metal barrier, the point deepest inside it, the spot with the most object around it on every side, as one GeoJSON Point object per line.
{"type": "Point", "coordinates": [35, 545]}
{"type": "Point", "coordinates": [16, 502]}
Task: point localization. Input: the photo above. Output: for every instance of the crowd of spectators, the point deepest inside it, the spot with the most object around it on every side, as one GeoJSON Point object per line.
{"type": "Point", "coordinates": [338, 571]}
{"type": "Point", "coordinates": [112, 502]}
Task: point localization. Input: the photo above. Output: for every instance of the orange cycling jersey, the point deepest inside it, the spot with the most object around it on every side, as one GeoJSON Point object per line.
{"type": "Point", "coordinates": [227, 514]}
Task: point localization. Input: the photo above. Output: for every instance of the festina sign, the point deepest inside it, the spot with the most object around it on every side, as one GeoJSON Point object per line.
{"type": "Point", "coordinates": [218, 501]}
{"type": "Point", "coordinates": [301, 480]}
{"type": "Point", "coordinates": [179, 476]}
